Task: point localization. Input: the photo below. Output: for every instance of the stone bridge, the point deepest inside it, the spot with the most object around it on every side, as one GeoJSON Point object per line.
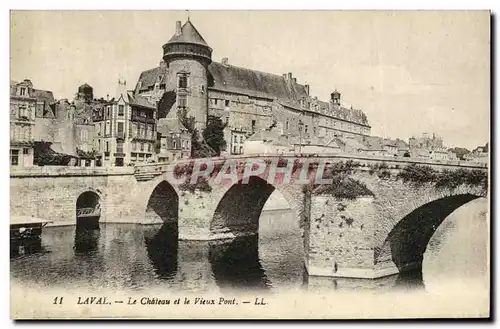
{"type": "Point", "coordinates": [373, 219]}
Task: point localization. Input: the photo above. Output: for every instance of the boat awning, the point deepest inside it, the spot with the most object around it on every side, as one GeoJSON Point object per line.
{"type": "Point", "coordinates": [26, 220]}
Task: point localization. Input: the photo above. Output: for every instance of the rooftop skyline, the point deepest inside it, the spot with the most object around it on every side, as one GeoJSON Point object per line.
{"type": "Point", "coordinates": [410, 72]}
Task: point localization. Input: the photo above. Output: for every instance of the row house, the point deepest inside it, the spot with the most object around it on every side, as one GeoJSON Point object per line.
{"type": "Point", "coordinates": [25, 103]}
{"type": "Point", "coordinates": [125, 131]}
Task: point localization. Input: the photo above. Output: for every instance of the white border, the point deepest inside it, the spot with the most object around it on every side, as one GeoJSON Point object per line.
{"type": "Point", "coordinates": [181, 5]}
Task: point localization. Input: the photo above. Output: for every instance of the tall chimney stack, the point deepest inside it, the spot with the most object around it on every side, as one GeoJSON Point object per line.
{"type": "Point", "coordinates": [178, 28]}
{"type": "Point", "coordinates": [307, 89]}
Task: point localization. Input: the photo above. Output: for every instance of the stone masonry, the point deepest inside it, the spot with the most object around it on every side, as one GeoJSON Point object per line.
{"type": "Point", "coordinates": [365, 237]}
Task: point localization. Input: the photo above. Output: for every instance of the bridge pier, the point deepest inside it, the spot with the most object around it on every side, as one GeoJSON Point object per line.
{"type": "Point", "coordinates": [195, 213]}
{"type": "Point", "coordinates": [340, 239]}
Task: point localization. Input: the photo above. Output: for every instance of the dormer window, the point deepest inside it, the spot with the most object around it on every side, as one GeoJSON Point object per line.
{"type": "Point", "coordinates": [22, 92]}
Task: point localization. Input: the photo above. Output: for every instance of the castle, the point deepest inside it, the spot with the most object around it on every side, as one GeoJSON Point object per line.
{"type": "Point", "coordinates": [263, 113]}
{"type": "Point", "coordinates": [248, 101]}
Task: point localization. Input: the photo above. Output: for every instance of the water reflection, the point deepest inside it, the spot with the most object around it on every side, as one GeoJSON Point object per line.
{"type": "Point", "coordinates": [410, 280]}
{"type": "Point", "coordinates": [86, 240]}
{"type": "Point", "coordinates": [25, 246]}
{"type": "Point", "coordinates": [127, 256]}
{"type": "Point", "coordinates": [236, 264]}
{"type": "Point", "coordinates": [162, 248]}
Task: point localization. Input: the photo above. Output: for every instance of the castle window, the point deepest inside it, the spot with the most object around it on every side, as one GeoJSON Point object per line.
{"type": "Point", "coordinates": [215, 101]}
{"type": "Point", "coordinates": [181, 101]}
{"type": "Point", "coordinates": [120, 110]}
{"type": "Point", "coordinates": [253, 125]}
{"type": "Point", "coordinates": [23, 91]}
{"type": "Point", "coordinates": [286, 125]}
{"type": "Point", "coordinates": [227, 102]}
{"type": "Point", "coordinates": [305, 129]}
{"type": "Point", "coordinates": [182, 81]}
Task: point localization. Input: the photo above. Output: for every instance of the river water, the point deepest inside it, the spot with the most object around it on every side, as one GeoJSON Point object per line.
{"type": "Point", "coordinates": [127, 257]}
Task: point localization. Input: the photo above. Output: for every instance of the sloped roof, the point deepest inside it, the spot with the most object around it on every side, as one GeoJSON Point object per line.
{"type": "Point", "coordinates": [43, 95]}
{"type": "Point", "coordinates": [242, 80]}
{"type": "Point", "coordinates": [374, 143]}
{"type": "Point", "coordinates": [401, 144]}
{"type": "Point", "coordinates": [350, 143]}
{"type": "Point", "coordinates": [420, 152]}
{"type": "Point", "coordinates": [150, 77]}
{"type": "Point", "coordinates": [141, 101]}
{"type": "Point", "coordinates": [170, 124]}
{"type": "Point", "coordinates": [333, 142]}
{"type": "Point", "coordinates": [189, 34]}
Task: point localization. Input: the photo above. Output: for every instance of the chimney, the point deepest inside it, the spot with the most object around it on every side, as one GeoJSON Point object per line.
{"type": "Point", "coordinates": [307, 89]}
{"type": "Point", "coordinates": [178, 28]}
{"type": "Point", "coordinates": [294, 80]}
{"type": "Point", "coordinates": [225, 61]}
{"type": "Point", "coordinates": [284, 76]}
{"type": "Point", "coordinates": [290, 76]}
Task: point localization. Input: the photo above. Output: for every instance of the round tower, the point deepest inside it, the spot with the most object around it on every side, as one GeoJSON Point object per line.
{"type": "Point", "coordinates": [187, 57]}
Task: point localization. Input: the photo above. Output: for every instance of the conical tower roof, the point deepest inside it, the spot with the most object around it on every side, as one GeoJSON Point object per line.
{"type": "Point", "coordinates": [188, 34]}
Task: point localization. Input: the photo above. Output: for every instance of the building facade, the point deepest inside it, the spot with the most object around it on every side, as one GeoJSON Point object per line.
{"type": "Point", "coordinates": [23, 104]}
{"type": "Point", "coordinates": [125, 130]}
{"type": "Point", "coordinates": [174, 140]}
{"type": "Point", "coordinates": [247, 100]}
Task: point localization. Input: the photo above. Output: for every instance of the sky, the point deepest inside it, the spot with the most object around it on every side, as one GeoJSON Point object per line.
{"type": "Point", "coordinates": [411, 72]}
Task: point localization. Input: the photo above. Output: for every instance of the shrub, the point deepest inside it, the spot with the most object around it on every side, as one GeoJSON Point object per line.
{"type": "Point", "coordinates": [344, 188]}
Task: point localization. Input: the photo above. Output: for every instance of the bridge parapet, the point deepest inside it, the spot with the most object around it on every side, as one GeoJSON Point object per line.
{"type": "Point", "coordinates": [69, 171]}
{"type": "Point", "coordinates": [149, 171]}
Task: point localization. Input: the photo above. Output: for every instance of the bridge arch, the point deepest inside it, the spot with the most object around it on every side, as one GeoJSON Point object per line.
{"type": "Point", "coordinates": [88, 209]}
{"type": "Point", "coordinates": [240, 206]}
{"type": "Point", "coordinates": [162, 204]}
{"type": "Point", "coordinates": [407, 242]}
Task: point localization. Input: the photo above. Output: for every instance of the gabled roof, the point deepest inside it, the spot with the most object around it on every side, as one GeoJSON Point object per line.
{"type": "Point", "coordinates": [141, 101]}
{"type": "Point", "coordinates": [189, 34]}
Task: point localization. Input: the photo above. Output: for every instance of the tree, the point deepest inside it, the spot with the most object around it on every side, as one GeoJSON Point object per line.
{"type": "Point", "coordinates": [45, 156]}
{"type": "Point", "coordinates": [213, 134]}
{"type": "Point", "coordinates": [198, 149]}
